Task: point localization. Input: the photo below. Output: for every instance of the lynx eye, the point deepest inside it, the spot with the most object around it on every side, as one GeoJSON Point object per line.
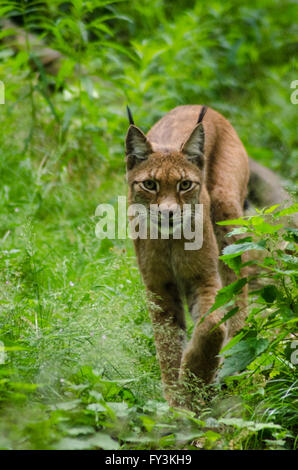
{"type": "Point", "coordinates": [184, 185]}
{"type": "Point", "coordinates": [151, 185]}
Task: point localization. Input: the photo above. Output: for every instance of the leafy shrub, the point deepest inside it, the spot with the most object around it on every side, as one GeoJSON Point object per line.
{"type": "Point", "coordinates": [80, 368]}
{"type": "Point", "coordinates": [265, 348]}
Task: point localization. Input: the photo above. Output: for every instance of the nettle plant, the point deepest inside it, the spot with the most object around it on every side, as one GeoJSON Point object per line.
{"type": "Point", "coordinates": [268, 342]}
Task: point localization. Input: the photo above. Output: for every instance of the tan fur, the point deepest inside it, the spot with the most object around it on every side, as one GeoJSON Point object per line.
{"type": "Point", "coordinates": [171, 273]}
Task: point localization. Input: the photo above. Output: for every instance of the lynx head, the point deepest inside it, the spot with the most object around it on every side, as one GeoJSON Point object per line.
{"type": "Point", "coordinates": [164, 176]}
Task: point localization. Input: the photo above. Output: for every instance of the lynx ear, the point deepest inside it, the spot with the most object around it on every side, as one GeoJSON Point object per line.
{"type": "Point", "coordinates": [137, 146]}
{"type": "Point", "coordinates": [193, 147]}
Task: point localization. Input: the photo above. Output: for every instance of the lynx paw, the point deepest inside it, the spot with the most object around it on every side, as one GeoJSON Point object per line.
{"type": "Point", "coordinates": [201, 356]}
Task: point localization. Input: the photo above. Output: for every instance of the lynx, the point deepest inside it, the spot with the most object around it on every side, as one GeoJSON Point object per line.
{"type": "Point", "coordinates": [191, 157]}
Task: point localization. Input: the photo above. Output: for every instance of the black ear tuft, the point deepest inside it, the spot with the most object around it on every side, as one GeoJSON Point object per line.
{"type": "Point", "coordinates": [202, 114]}
{"type": "Point", "coordinates": [130, 118]}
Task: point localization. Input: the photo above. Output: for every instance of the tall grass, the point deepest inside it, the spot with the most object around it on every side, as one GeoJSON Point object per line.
{"type": "Point", "coordinates": [73, 316]}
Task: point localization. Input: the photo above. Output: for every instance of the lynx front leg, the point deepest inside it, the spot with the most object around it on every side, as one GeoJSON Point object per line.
{"type": "Point", "coordinates": [201, 354]}
{"type": "Point", "coordinates": [167, 315]}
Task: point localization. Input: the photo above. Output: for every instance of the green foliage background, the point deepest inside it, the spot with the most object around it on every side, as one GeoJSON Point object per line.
{"type": "Point", "coordinates": [80, 368]}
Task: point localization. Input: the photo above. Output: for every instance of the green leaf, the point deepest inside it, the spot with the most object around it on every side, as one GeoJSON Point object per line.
{"type": "Point", "coordinates": [236, 249]}
{"type": "Point", "coordinates": [240, 221]}
{"type": "Point", "coordinates": [188, 435]}
{"type": "Point", "coordinates": [268, 228]}
{"type": "Point", "coordinates": [243, 240]}
{"type": "Point", "coordinates": [289, 259]}
{"type": "Point", "coordinates": [96, 407]}
{"type": "Point", "coordinates": [12, 348]}
{"type": "Point", "coordinates": [242, 354]}
{"type": "Point", "coordinates": [68, 115]}
{"type": "Point", "coordinates": [212, 436]}
{"type": "Point", "coordinates": [98, 396]}
{"type": "Point", "coordinates": [228, 315]}
{"type": "Point", "coordinates": [227, 293]}
{"type": "Point", "coordinates": [269, 293]}
{"type": "Point", "coordinates": [288, 211]}
{"type": "Point", "coordinates": [234, 262]}
{"type": "Point", "coordinates": [271, 209]}
{"type": "Point", "coordinates": [67, 405]}
{"type": "Point", "coordinates": [292, 234]}
{"type": "Point", "coordinates": [68, 443]}
{"type": "Point", "coordinates": [250, 425]}
{"type": "Point", "coordinates": [120, 409]}
{"type": "Point", "coordinates": [80, 430]}
{"type": "Point", "coordinates": [104, 441]}
{"type": "Point", "coordinates": [232, 342]}
{"type": "Point", "coordinates": [238, 231]}
{"type": "Point", "coordinates": [98, 440]}
{"type": "Point", "coordinates": [24, 386]}
{"type": "Point", "coordinates": [148, 423]}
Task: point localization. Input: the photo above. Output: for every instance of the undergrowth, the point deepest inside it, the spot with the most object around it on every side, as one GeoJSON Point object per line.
{"type": "Point", "coordinates": [78, 365]}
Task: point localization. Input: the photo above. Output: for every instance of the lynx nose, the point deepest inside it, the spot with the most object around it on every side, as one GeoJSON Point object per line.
{"type": "Point", "coordinates": [168, 209]}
